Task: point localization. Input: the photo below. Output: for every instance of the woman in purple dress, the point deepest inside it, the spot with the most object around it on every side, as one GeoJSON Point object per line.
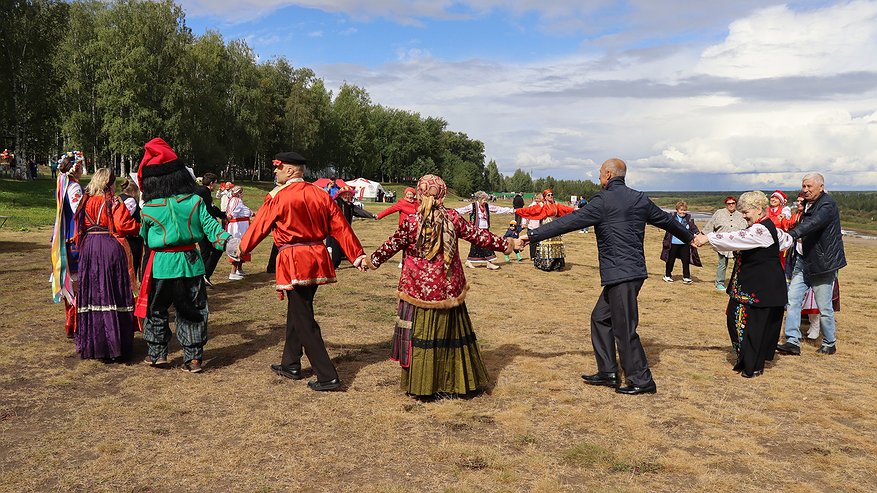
{"type": "Point", "coordinates": [105, 301]}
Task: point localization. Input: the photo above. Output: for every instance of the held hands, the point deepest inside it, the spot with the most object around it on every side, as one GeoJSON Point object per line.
{"type": "Point", "coordinates": [699, 240]}
{"type": "Point", "coordinates": [233, 249]}
{"type": "Point", "coordinates": [361, 264]}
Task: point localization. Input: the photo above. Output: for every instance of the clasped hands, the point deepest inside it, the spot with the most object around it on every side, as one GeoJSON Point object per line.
{"type": "Point", "coordinates": [699, 240]}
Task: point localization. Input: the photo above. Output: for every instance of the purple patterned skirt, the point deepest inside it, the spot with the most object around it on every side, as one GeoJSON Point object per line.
{"type": "Point", "coordinates": [105, 304]}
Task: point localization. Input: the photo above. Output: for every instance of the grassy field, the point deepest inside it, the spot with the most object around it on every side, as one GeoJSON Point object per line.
{"type": "Point", "coordinates": [66, 424]}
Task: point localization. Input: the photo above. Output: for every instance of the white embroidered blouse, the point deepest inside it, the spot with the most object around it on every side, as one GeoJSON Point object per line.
{"type": "Point", "coordinates": [755, 236]}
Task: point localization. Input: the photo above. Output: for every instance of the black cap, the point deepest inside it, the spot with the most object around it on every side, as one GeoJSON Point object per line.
{"type": "Point", "coordinates": [290, 157]}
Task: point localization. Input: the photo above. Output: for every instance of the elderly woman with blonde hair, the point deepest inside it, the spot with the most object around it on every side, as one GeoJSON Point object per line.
{"type": "Point", "coordinates": [757, 290]}
{"type": "Point", "coordinates": [434, 342]}
{"type": "Point", "coordinates": [479, 215]}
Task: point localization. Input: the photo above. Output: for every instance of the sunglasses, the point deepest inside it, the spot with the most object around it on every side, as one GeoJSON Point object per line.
{"type": "Point", "coordinates": [730, 203]}
{"type": "Point", "coordinates": [549, 195]}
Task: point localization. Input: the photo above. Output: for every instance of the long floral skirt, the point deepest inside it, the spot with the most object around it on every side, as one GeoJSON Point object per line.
{"type": "Point", "coordinates": [105, 303]}
{"type": "Point", "coordinates": [440, 349]}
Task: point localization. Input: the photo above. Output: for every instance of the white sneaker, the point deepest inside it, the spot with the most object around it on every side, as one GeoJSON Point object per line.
{"type": "Point", "coordinates": [234, 276]}
{"type": "Point", "coordinates": [667, 279]}
{"type": "Point", "coordinates": [491, 266]}
{"type": "Point", "coordinates": [470, 265]}
{"type": "Point", "coordinates": [241, 272]}
{"type": "Point", "coordinates": [686, 280]}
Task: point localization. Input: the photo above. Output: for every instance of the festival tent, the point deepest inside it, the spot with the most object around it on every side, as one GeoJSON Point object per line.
{"type": "Point", "coordinates": [322, 182]}
{"type": "Point", "coordinates": [366, 189]}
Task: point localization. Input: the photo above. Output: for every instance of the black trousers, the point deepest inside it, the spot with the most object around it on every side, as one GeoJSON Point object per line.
{"type": "Point", "coordinates": [302, 331]}
{"type": "Point", "coordinates": [613, 324]}
{"type": "Point", "coordinates": [533, 246]}
{"type": "Point", "coordinates": [271, 268]}
{"type": "Point", "coordinates": [682, 252]}
{"type": "Point", "coordinates": [189, 296]}
{"type": "Point", "coordinates": [518, 222]}
{"type": "Point", "coordinates": [209, 255]}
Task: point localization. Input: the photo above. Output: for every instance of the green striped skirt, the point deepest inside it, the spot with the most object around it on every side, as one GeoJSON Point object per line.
{"type": "Point", "coordinates": [444, 356]}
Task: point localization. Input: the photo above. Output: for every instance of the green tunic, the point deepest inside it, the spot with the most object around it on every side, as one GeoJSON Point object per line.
{"type": "Point", "coordinates": [179, 221]}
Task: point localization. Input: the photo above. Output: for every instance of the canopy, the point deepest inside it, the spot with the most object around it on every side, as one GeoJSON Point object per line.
{"type": "Point", "coordinates": [323, 182]}
{"type": "Point", "coordinates": [366, 189]}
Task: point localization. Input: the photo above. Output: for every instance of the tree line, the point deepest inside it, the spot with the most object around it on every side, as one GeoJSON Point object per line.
{"type": "Point", "coordinates": [105, 77]}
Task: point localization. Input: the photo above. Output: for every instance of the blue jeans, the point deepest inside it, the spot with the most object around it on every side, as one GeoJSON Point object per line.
{"type": "Point", "coordinates": [822, 285]}
{"type": "Point", "coordinates": [721, 268]}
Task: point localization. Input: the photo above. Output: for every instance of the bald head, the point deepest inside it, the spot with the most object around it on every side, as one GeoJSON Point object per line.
{"type": "Point", "coordinates": [615, 166]}
{"type": "Point", "coordinates": [611, 168]}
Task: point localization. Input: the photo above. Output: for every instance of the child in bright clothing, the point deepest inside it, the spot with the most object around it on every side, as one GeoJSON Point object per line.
{"type": "Point", "coordinates": [514, 231]}
{"type": "Point", "coordinates": [238, 221]}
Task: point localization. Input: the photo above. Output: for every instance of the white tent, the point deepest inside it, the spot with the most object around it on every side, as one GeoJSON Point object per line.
{"type": "Point", "coordinates": [366, 189]}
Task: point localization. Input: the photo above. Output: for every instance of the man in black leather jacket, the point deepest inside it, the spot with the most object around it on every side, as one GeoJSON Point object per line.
{"type": "Point", "coordinates": [813, 263]}
{"type": "Point", "coordinates": [619, 215]}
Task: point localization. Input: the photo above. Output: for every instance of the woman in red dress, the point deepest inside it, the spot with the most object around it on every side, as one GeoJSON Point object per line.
{"type": "Point", "coordinates": [550, 254]}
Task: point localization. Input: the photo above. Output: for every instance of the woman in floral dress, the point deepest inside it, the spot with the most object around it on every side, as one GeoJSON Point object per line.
{"type": "Point", "coordinates": [434, 342]}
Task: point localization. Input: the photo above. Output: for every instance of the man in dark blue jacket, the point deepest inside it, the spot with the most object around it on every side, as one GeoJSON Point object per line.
{"type": "Point", "coordinates": [813, 263]}
{"type": "Point", "coordinates": [619, 215]}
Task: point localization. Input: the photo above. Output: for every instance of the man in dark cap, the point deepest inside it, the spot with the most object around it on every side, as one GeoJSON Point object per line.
{"type": "Point", "coordinates": [301, 216]}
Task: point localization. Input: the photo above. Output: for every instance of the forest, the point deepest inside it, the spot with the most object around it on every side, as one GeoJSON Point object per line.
{"type": "Point", "coordinates": [105, 77]}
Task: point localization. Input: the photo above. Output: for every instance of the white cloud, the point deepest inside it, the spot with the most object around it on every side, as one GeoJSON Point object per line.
{"type": "Point", "coordinates": [778, 42]}
{"type": "Point", "coordinates": [315, 34]}
{"type": "Point", "coordinates": [686, 118]}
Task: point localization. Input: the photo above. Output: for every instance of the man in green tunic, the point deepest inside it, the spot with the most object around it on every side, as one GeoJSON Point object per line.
{"type": "Point", "coordinates": [174, 219]}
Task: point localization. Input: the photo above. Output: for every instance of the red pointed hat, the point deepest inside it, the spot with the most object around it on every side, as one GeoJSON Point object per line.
{"type": "Point", "coordinates": [158, 159]}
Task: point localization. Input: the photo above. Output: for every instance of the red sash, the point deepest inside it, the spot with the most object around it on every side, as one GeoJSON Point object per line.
{"type": "Point", "coordinates": [145, 285]}
{"type": "Point", "coordinates": [239, 220]}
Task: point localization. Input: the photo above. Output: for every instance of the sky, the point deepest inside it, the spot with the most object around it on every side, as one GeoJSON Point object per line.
{"type": "Point", "coordinates": [709, 95]}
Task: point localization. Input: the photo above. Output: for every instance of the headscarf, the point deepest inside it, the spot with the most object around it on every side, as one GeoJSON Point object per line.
{"type": "Point", "coordinates": [237, 191]}
{"type": "Point", "coordinates": [435, 230]}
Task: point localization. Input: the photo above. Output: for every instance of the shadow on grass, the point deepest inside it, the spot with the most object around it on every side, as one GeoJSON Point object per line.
{"type": "Point", "coordinates": [497, 359]}
{"type": "Point", "coordinates": [22, 246]}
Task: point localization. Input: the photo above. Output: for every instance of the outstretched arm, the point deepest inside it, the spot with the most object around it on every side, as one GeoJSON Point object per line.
{"type": "Point", "coordinates": [389, 210]}
{"type": "Point", "coordinates": [587, 216]}
{"type": "Point", "coordinates": [403, 237]}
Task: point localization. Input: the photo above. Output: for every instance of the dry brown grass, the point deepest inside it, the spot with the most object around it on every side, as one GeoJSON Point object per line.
{"type": "Point", "coordinates": [69, 425]}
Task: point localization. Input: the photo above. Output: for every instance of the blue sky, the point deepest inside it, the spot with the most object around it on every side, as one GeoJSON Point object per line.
{"type": "Point", "coordinates": [713, 95]}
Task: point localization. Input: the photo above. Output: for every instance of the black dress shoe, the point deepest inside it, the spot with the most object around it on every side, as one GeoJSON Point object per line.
{"type": "Point", "coordinates": [826, 349]}
{"type": "Point", "coordinates": [317, 385]}
{"type": "Point", "coordinates": [649, 388]}
{"type": "Point", "coordinates": [287, 371]}
{"type": "Point", "coordinates": [608, 379]}
{"type": "Point", "coordinates": [754, 374]}
{"type": "Point", "coordinates": [789, 348]}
